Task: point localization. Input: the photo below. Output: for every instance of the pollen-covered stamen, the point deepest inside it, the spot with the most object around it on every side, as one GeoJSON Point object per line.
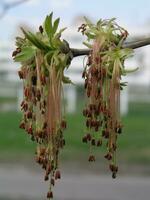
{"type": "Point", "coordinates": [91, 158]}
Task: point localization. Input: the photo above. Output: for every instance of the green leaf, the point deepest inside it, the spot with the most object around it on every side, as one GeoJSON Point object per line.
{"type": "Point", "coordinates": [131, 70]}
{"type": "Point", "coordinates": [66, 80]}
{"type": "Point", "coordinates": [19, 41]}
{"type": "Point", "coordinates": [123, 84]}
{"type": "Point", "coordinates": [99, 22]}
{"type": "Point", "coordinates": [26, 54]}
{"type": "Point", "coordinates": [48, 25]}
{"type": "Point", "coordinates": [89, 35]}
{"type": "Point", "coordinates": [36, 41]}
{"type": "Point", "coordinates": [87, 45]}
{"type": "Point", "coordinates": [126, 52]}
{"type": "Point", "coordinates": [58, 35]}
{"type": "Point", "coordinates": [56, 59]}
{"type": "Point", "coordinates": [64, 47]}
{"type": "Point", "coordinates": [89, 22]}
{"type": "Point", "coordinates": [56, 23]}
{"type": "Point", "coordinates": [47, 58]}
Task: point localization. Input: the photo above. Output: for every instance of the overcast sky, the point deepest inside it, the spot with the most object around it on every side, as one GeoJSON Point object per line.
{"type": "Point", "coordinates": [128, 12]}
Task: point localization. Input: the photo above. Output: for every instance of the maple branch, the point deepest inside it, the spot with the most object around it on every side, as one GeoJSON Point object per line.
{"type": "Point", "coordinates": [133, 45]}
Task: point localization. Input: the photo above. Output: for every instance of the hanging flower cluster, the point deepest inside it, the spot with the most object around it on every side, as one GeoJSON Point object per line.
{"type": "Point", "coordinates": [44, 57]}
{"type": "Point", "coordinates": [102, 74]}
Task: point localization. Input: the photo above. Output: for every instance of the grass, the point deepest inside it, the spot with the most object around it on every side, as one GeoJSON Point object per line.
{"type": "Point", "coordinates": [133, 144]}
{"type": "Point", "coordinates": [8, 100]}
{"type": "Point", "coordinates": [11, 137]}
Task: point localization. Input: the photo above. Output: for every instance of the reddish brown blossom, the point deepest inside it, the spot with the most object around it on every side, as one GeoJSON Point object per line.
{"type": "Point", "coordinates": [91, 158]}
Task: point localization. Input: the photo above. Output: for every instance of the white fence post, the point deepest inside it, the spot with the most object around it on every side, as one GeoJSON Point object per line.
{"type": "Point", "coordinates": [71, 96]}
{"type": "Point", "coordinates": [124, 101]}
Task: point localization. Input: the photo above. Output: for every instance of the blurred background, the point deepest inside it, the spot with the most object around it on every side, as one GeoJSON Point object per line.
{"type": "Point", "coordinates": [20, 176]}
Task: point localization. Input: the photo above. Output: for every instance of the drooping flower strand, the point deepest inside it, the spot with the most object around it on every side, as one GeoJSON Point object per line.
{"type": "Point", "coordinates": [42, 72]}
{"type": "Point", "coordinates": [102, 75]}
{"type": "Point", "coordinates": [43, 116]}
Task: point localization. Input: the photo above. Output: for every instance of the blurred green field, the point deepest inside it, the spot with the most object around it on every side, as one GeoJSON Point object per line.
{"type": "Point", "coordinates": [133, 144]}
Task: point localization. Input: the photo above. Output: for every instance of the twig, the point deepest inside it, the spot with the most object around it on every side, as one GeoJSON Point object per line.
{"type": "Point", "coordinates": [8, 6]}
{"type": "Point", "coordinates": [133, 45]}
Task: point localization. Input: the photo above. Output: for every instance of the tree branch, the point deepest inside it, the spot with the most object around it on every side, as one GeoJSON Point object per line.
{"type": "Point", "coordinates": [8, 6]}
{"type": "Point", "coordinates": [133, 45]}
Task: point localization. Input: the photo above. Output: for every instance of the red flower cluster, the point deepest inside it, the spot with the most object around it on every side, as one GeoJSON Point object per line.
{"type": "Point", "coordinates": [42, 116]}
{"type": "Point", "coordinates": [102, 110]}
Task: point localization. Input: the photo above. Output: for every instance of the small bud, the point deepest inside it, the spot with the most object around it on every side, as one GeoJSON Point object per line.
{"type": "Point", "coordinates": [89, 61]}
{"type": "Point", "coordinates": [108, 156]}
{"type": "Point", "coordinates": [84, 139]}
{"type": "Point", "coordinates": [37, 159]}
{"type": "Point", "coordinates": [30, 131]}
{"type": "Point", "coordinates": [88, 136]}
{"type": "Point", "coordinates": [114, 147]}
{"type": "Point", "coordinates": [63, 124]}
{"type": "Point", "coordinates": [25, 107]}
{"type": "Point", "coordinates": [48, 169]}
{"type": "Point", "coordinates": [38, 94]}
{"type": "Point", "coordinates": [111, 167]}
{"type": "Point", "coordinates": [113, 175]}
{"type": "Point", "coordinates": [92, 123]}
{"type": "Point", "coordinates": [94, 71]}
{"type": "Point", "coordinates": [85, 84]}
{"type": "Point", "coordinates": [44, 165]}
{"type": "Point", "coordinates": [20, 73]}
{"type": "Point", "coordinates": [43, 79]}
{"type": "Point", "coordinates": [88, 123]}
{"type": "Point", "coordinates": [88, 93]}
{"type": "Point", "coordinates": [105, 134]}
{"type": "Point", "coordinates": [99, 143]}
{"type": "Point", "coordinates": [52, 181]}
{"type": "Point", "coordinates": [43, 111]}
{"type": "Point", "coordinates": [40, 160]}
{"type": "Point", "coordinates": [22, 125]}
{"type": "Point", "coordinates": [84, 74]}
{"type": "Point", "coordinates": [91, 158]}
{"type": "Point", "coordinates": [18, 50]}
{"type": "Point", "coordinates": [84, 113]}
{"type": "Point", "coordinates": [93, 142]}
{"type": "Point", "coordinates": [116, 169]}
{"type": "Point", "coordinates": [97, 60]}
{"type": "Point", "coordinates": [14, 53]}
{"type": "Point", "coordinates": [40, 134]}
{"type": "Point", "coordinates": [91, 106]}
{"type": "Point", "coordinates": [41, 29]}
{"type": "Point", "coordinates": [57, 175]}
{"type": "Point", "coordinates": [29, 115]}
{"type": "Point", "coordinates": [96, 129]}
{"type": "Point", "coordinates": [104, 72]}
{"type": "Point", "coordinates": [45, 125]}
{"type": "Point", "coordinates": [119, 130]}
{"type": "Point", "coordinates": [63, 142]}
{"type": "Point", "coordinates": [42, 151]}
{"type": "Point", "coordinates": [46, 178]}
{"type": "Point", "coordinates": [49, 195]}
{"type": "Point", "coordinates": [32, 138]}
{"type": "Point", "coordinates": [34, 80]}
{"type": "Point", "coordinates": [26, 92]}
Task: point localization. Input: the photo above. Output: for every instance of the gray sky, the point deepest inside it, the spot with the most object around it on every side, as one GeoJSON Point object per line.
{"type": "Point", "coordinates": [128, 12]}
